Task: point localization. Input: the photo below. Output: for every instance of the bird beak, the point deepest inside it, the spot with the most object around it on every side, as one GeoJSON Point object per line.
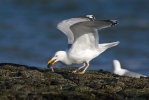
{"type": "Point", "coordinates": [51, 62]}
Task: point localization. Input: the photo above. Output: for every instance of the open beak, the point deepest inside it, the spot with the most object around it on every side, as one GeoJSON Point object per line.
{"type": "Point", "coordinates": [51, 62]}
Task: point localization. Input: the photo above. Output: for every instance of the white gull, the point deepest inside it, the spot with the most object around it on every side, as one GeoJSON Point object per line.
{"type": "Point", "coordinates": [82, 34]}
{"type": "Point", "coordinates": [124, 72]}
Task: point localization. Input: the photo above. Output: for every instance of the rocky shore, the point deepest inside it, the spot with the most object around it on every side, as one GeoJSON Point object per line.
{"type": "Point", "coordinates": [19, 82]}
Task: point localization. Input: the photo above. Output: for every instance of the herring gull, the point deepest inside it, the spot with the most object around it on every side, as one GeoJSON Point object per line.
{"type": "Point", "coordinates": [124, 72]}
{"type": "Point", "coordinates": [83, 46]}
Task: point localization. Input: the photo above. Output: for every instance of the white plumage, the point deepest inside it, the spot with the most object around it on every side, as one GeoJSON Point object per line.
{"type": "Point", "coordinates": [83, 46]}
{"type": "Point", "coordinates": [124, 72]}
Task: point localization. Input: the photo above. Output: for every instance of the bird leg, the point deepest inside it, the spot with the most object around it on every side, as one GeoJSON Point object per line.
{"type": "Point", "coordinates": [83, 65]}
{"type": "Point", "coordinates": [87, 65]}
{"type": "Point", "coordinates": [52, 69]}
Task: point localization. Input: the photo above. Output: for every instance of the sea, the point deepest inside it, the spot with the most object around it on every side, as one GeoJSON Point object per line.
{"type": "Point", "coordinates": [29, 34]}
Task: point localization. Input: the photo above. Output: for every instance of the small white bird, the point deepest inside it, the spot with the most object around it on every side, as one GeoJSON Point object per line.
{"type": "Point", "coordinates": [82, 34]}
{"type": "Point", "coordinates": [124, 72]}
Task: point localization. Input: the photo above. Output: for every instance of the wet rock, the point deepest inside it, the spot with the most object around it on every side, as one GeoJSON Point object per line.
{"type": "Point", "coordinates": [19, 82]}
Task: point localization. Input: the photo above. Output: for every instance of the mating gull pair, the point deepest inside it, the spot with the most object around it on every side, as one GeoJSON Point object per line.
{"type": "Point", "coordinates": [83, 46]}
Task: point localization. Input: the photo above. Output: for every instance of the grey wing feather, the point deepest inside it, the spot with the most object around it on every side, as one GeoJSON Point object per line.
{"type": "Point", "coordinates": [64, 26]}
{"type": "Point", "coordinates": [97, 24]}
{"type": "Point", "coordinates": [86, 34]}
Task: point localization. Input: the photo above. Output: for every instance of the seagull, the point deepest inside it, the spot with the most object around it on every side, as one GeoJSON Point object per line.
{"type": "Point", "coordinates": [124, 72]}
{"type": "Point", "coordinates": [83, 46]}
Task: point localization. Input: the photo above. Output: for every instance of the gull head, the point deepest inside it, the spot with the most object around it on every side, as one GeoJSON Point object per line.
{"type": "Point", "coordinates": [117, 65]}
{"type": "Point", "coordinates": [59, 56]}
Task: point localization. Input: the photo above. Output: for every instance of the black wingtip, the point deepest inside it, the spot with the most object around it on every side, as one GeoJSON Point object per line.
{"type": "Point", "coordinates": [114, 22]}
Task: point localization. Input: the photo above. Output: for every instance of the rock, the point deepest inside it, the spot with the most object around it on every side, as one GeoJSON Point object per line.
{"type": "Point", "coordinates": [19, 82]}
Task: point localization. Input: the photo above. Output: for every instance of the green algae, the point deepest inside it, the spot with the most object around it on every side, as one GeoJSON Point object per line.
{"type": "Point", "coordinates": [24, 82]}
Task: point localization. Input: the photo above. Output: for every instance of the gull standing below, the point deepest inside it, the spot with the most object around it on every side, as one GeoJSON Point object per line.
{"type": "Point", "coordinates": [82, 34]}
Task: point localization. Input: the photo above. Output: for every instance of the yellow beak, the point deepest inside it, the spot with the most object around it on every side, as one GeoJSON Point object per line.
{"type": "Point", "coordinates": [51, 62]}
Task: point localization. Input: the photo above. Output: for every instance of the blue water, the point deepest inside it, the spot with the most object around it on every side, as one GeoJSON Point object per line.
{"type": "Point", "coordinates": [28, 33]}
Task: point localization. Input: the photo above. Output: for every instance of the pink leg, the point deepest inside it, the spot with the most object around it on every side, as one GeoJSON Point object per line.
{"type": "Point", "coordinates": [79, 68]}
{"type": "Point", "coordinates": [52, 69]}
{"type": "Point", "coordinates": [84, 69]}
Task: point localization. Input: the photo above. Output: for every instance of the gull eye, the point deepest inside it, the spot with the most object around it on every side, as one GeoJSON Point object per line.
{"type": "Point", "coordinates": [56, 55]}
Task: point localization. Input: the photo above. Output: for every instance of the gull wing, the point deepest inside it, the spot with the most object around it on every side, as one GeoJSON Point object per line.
{"type": "Point", "coordinates": [133, 74]}
{"type": "Point", "coordinates": [64, 26]}
{"type": "Point", "coordinates": [86, 34]}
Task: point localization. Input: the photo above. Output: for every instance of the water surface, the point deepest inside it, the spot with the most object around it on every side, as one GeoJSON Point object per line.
{"type": "Point", "coordinates": [28, 33]}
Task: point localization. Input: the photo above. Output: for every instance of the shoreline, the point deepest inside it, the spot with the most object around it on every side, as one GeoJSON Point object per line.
{"type": "Point", "coordinates": [25, 82]}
